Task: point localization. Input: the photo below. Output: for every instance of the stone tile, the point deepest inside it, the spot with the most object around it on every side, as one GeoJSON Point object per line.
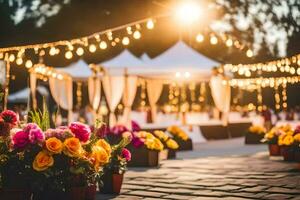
{"type": "Point", "coordinates": [278, 196]}
{"type": "Point", "coordinates": [146, 193]}
{"type": "Point", "coordinates": [172, 190]}
{"type": "Point", "coordinates": [283, 190]}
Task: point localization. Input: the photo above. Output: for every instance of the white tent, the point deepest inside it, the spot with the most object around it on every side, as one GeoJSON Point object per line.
{"type": "Point", "coordinates": [79, 70]}
{"type": "Point", "coordinates": [180, 59]}
{"type": "Point", "coordinates": [124, 61]}
{"type": "Point", "coordinates": [145, 58]}
{"type": "Point", "coordinates": [23, 95]}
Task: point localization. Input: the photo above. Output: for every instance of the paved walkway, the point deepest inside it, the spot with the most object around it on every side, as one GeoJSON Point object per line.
{"type": "Point", "coordinates": [224, 172]}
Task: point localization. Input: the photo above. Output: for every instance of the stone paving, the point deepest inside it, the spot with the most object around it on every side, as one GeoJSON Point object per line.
{"type": "Point", "coordinates": [252, 176]}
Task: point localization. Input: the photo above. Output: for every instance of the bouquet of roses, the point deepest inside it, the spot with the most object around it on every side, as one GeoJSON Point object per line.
{"type": "Point", "coordinates": [178, 133]}
{"type": "Point", "coordinates": [166, 140]}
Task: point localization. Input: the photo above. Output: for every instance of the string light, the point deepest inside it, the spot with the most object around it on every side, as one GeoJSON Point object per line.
{"type": "Point", "coordinates": [249, 53]}
{"type": "Point", "coordinates": [11, 58]}
{"type": "Point", "coordinates": [103, 45]}
{"type": "Point", "coordinates": [150, 24]}
{"type": "Point", "coordinates": [79, 51]}
{"type": "Point", "coordinates": [28, 64]}
{"type": "Point", "coordinates": [52, 51]}
{"type": "Point", "coordinates": [199, 38]}
{"type": "Point", "coordinates": [92, 48]}
{"type": "Point", "coordinates": [19, 61]}
{"type": "Point", "coordinates": [229, 42]}
{"type": "Point", "coordinates": [68, 55]}
{"type": "Point", "coordinates": [125, 41]}
{"type": "Point", "coordinates": [137, 35]}
{"type": "Point", "coordinates": [213, 40]}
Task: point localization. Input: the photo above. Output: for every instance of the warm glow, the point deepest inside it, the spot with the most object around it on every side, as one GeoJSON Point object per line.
{"type": "Point", "coordinates": [229, 42]}
{"type": "Point", "coordinates": [188, 12]}
{"type": "Point", "coordinates": [28, 64]}
{"type": "Point", "coordinates": [80, 51]}
{"type": "Point", "coordinates": [125, 41]}
{"type": "Point", "coordinates": [92, 48]}
{"type": "Point", "coordinates": [249, 53]}
{"type": "Point", "coordinates": [68, 55]}
{"type": "Point", "coordinates": [19, 61]}
{"type": "Point", "coordinates": [213, 40]}
{"type": "Point", "coordinates": [178, 75]}
{"type": "Point", "coordinates": [137, 35]}
{"type": "Point", "coordinates": [52, 51]}
{"type": "Point", "coordinates": [187, 75]}
{"type": "Point", "coordinates": [199, 38]}
{"type": "Point", "coordinates": [103, 45]}
{"type": "Point", "coordinates": [150, 24]}
{"type": "Point", "coordinates": [11, 57]}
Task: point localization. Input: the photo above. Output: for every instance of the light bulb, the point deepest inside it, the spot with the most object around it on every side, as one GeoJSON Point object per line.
{"type": "Point", "coordinates": [80, 51]}
{"type": "Point", "coordinates": [28, 64]}
{"type": "Point", "coordinates": [213, 40]}
{"type": "Point", "coordinates": [103, 45]}
{"type": "Point", "coordinates": [68, 55]}
{"type": "Point", "coordinates": [92, 48]}
{"type": "Point", "coordinates": [125, 41]}
{"type": "Point", "coordinates": [52, 51]}
{"type": "Point", "coordinates": [150, 24]}
{"type": "Point", "coordinates": [19, 61]}
{"type": "Point", "coordinates": [199, 38]}
{"type": "Point", "coordinates": [229, 42]}
{"type": "Point", "coordinates": [137, 35]}
{"type": "Point", "coordinates": [12, 58]}
{"type": "Point", "coordinates": [249, 53]}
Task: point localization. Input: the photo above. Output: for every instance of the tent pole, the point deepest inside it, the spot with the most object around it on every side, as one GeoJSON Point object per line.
{"type": "Point", "coordinates": [6, 84]}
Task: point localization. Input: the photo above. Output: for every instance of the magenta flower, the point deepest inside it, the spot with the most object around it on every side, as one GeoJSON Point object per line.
{"type": "Point", "coordinates": [297, 130]}
{"type": "Point", "coordinates": [126, 154]}
{"type": "Point", "coordinates": [118, 129]}
{"type": "Point", "coordinates": [81, 131]}
{"type": "Point", "coordinates": [20, 139]}
{"type": "Point", "coordinates": [135, 126]}
{"type": "Point", "coordinates": [10, 117]}
{"type": "Point", "coordinates": [30, 126]}
{"type": "Point", "coordinates": [102, 131]}
{"type": "Point", "coordinates": [36, 135]}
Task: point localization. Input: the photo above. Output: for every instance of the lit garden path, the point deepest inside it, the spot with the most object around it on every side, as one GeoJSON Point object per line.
{"type": "Point", "coordinates": [231, 174]}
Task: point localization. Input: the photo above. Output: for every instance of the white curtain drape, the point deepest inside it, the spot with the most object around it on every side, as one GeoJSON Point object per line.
{"type": "Point", "coordinates": [113, 89]}
{"type": "Point", "coordinates": [94, 90]}
{"type": "Point", "coordinates": [154, 89]}
{"type": "Point", "coordinates": [221, 93]}
{"type": "Point", "coordinates": [62, 92]}
{"type": "Point", "coordinates": [33, 84]}
{"type": "Point", "coordinates": [128, 98]}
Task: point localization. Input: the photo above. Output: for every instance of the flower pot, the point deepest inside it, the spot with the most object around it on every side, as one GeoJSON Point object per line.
{"type": "Point", "coordinates": [14, 194]}
{"type": "Point", "coordinates": [297, 154]}
{"type": "Point", "coordinates": [90, 192]}
{"type": "Point", "coordinates": [253, 138]}
{"type": "Point", "coordinates": [288, 153]}
{"type": "Point", "coordinates": [184, 145]}
{"type": "Point", "coordinates": [172, 154]}
{"type": "Point", "coordinates": [163, 155]}
{"type": "Point", "coordinates": [274, 150]}
{"type": "Point", "coordinates": [143, 157]}
{"type": "Point", "coordinates": [77, 193]}
{"type": "Point", "coordinates": [111, 183]}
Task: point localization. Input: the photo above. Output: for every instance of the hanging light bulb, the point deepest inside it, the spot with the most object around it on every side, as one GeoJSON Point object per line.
{"type": "Point", "coordinates": [117, 40]}
{"type": "Point", "coordinates": [19, 61]}
{"type": "Point", "coordinates": [229, 42]}
{"type": "Point", "coordinates": [199, 38]}
{"type": "Point", "coordinates": [137, 35]}
{"type": "Point", "coordinates": [57, 51]}
{"type": "Point", "coordinates": [103, 45]}
{"type": "Point", "coordinates": [52, 51]}
{"type": "Point", "coordinates": [113, 43]}
{"type": "Point", "coordinates": [125, 41]}
{"type": "Point", "coordinates": [213, 40]}
{"type": "Point", "coordinates": [68, 55]}
{"type": "Point", "coordinates": [12, 58]}
{"type": "Point", "coordinates": [150, 24]}
{"type": "Point", "coordinates": [249, 53]}
{"type": "Point", "coordinates": [92, 48]}
{"type": "Point", "coordinates": [129, 31]}
{"type": "Point", "coordinates": [80, 51]}
{"type": "Point", "coordinates": [28, 64]}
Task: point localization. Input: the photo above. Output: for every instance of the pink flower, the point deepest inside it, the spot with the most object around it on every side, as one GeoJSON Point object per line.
{"type": "Point", "coordinates": [118, 129]}
{"type": "Point", "coordinates": [30, 126]}
{"type": "Point", "coordinates": [10, 117]}
{"type": "Point", "coordinates": [36, 135]}
{"type": "Point", "coordinates": [135, 126]}
{"type": "Point", "coordinates": [62, 132]}
{"type": "Point", "coordinates": [20, 139]}
{"type": "Point", "coordinates": [126, 154]}
{"type": "Point", "coordinates": [81, 131]}
{"type": "Point", "coordinates": [102, 131]}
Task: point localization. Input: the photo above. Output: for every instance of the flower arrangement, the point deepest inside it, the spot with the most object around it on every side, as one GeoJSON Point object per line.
{"type": "Point", "coordinates": [272, 136]}
{"type": "Point", "coordinates": [149, 140]}
{"type": "Point", "coordinates": [178, 133]}
{"type": "Point", "coordinates": [166, 140]}
{"type": "Point", "coordinates": [257, 129]}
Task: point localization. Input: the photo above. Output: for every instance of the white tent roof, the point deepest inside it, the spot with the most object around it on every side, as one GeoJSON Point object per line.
{"type": "Point", "coordinates": [145, 58]}
{"type": "Point", "coordinates": [125, 60]}
{"type": "Point", "coordinates": [179, 58]}
{"type": "Point", "coordinates": [22, 95]}
{"type": "Point", "coordinates": [78, 70]}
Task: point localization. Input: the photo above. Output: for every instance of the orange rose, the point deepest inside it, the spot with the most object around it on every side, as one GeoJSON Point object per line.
{"type": "Point", "coordinates": [102, 143]}
{"type": "Point", "coordinates": [42, 161]}
{"type": "Point", "coordinates": [54, 145]}
{"type": "Point", "coordinates": [99, 157]}
{"type": "Point", "coordinates": [72, 147]}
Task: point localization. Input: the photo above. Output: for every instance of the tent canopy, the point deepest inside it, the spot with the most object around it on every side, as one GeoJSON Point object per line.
{"type": "Point", "coordinates": [179, 58]}
{"type": "Point", "coordinates": [79, 70]}
{"type": "Point", "coordinates": [23, 95]}
{"type": "Point", "coordinates": [124, 61]}
{"type": "Point", "coordinates": [145, 58]}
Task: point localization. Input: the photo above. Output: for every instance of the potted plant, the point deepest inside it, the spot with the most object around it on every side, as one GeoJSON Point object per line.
{"type": "Point", "coordinates": [286, 143]}
{"type": "Point", "coordinates": [297, 146]}
{"type": "Point", "coordinates": [183, 140]}
{"type": "Point", "coordinates": [170, 144]}
{"type": "Point", "coordinates": [255, 134]}
{"type": "Point", "coordinates": [271, 138]}
{"type": "Point", "coordinates": [111, 181]}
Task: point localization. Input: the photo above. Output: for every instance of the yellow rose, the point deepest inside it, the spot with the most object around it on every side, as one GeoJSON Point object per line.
{"type": "Point", "coordinates": [72, 147]}
{"type": "Point", "coordinates": [99, 157]}
{"type": "Point", "coordinates": [54, 145]}
{"type": "Point", "coordinates": [102, 143]}
{"type": "Point", "coordinates": [288, 140]}
{"type": "Point", "coordinates": [297, 137]}
{"type": "Point", "coordinates": [42, 161]}
{"type": "Point", "coordinates": [161, 135]}
{"type": "Point", "coordinates": [172, 144]}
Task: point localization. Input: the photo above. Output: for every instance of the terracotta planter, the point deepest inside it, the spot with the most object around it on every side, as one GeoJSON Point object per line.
{"type": "Point", "coordinates": [143, 157]}
{"type": "Point", "coordinates": [288, 153]}
{"type": "Point", "coordinates": [77, 193]}
{"type": "Point", "coordinates": [111, 183]}
{"type": "Point", "coordinates": [14, 194]}
{"type": "Point", "coordinates": [274, 150]}
{"type": "Point", "coordinates": [163, 155]}
{"type": "Point", "coordinates": [90, 192]}
{"type": "Point", "coordinates": [184, 145]}
{"type": "Point", "coordinates": [172, 154]}
{"type": "Point", "coordinates": [253, 138]}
